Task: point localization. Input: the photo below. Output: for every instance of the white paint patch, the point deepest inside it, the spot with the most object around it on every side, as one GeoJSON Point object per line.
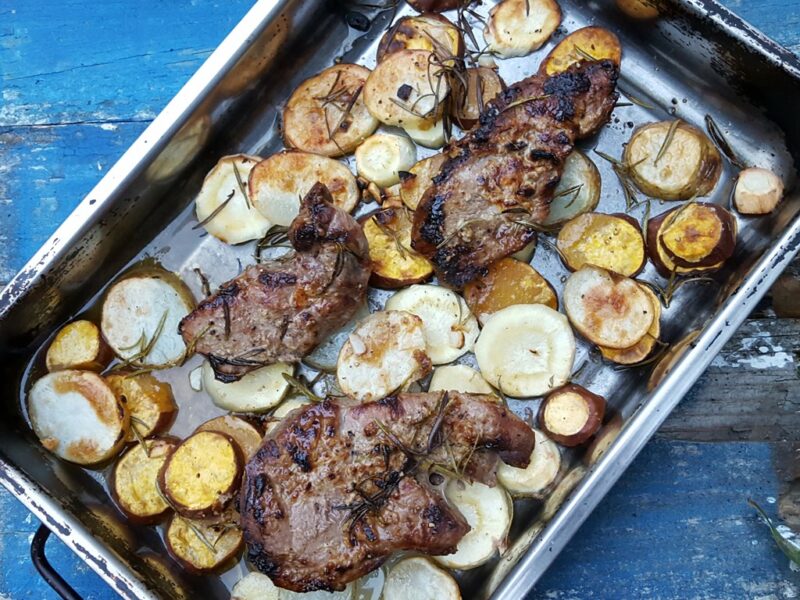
{"type": "Point", "coordinates": [108, 126]}
{"type": "Point", "coordinates": [770, 500]}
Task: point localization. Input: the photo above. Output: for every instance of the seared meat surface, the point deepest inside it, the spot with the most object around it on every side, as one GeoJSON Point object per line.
{"type": "Point", "coordinates": [498, 181]}
{"type": "Point", "coordinates": [335, 489]}
{"type": "Point", "coordinates": [280, 310]}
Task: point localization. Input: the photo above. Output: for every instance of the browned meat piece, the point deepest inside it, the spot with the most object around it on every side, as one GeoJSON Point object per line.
{"type": "Point", "coordinates": [280, 310]}
{"type": "Point", "coordinates": [335, 489]}
{"type": "Point", "coordinates": [498, 182]}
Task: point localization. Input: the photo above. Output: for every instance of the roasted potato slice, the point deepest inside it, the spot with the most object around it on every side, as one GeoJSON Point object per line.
{"type": "Point", "coordinates": [613, 242]}
{"type": "Point", "coordinates": [203, 546]}
{"type": "Point", "coordinates": [419, 178]}
{"type": "Point", "coordinates": [417, 577]}
{"type": "Point", "coordinates": [78, 345]}
{"type": "Point", "coordinates": [571, 415]}
{"type": "Point", "coordinates": [459, 378]}
{"type": "Point", "coordinates": [757, 192]}
{"type": "Point", "coordinates": [578, 191]}
{"type": "Point", "coordinates": [279, 182]}
{"type": "Point", "coordinates": [134, 480]}
{"type": "Point", "coordinates": [588, 43]}
{"type": "Point", "coordinates": [407, 89]}
{"type": "Point", "coordinates": [672, 160]}
{"type": "Point", "coordinates": [149, 401]}
{"type": "Point", "coordinates": [202, 475]}
{"type": "Point", "coordinates": [518, 27]}
{"type": "Point", "coordinates": [77, 417]}
{"type": "Point", "coordinates": [698, 235]}
{"type": "Point", "coordinates": [540, 474]}
{"type": "Point", "coordinates": [383, 156]}
{"type": "Point", "coordinates": [662, 260]}
{"type": "Point", "coordinates": [428, 31]}
{"type": "Point", "coordinates": [394, 263]}
{"type": "Point", "coordinates": [257, 391]}
{"type": "Point", "coordinates": [429, 134]}
{"type": "Point", "coordinates": [246, 436]}
{"type": "Point", "coordinates": [257, 586]}
{"type": "Point", "coordinates": [607, 308]}
{"type": "Point", "coordinates": [482, 84]}
{"type": "Point", "coordinates": [644, 347]}
{"type": "Point", "coordinates": [507, 282]}
{"type": "Point", "coordinates": [326, 114]}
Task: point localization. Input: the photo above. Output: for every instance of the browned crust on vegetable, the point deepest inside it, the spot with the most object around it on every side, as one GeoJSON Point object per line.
{"type": "Point", "coordinates": [143, 395]}
{"type": "Point", "coordinates": [467, 107]}
{"type": "Point", "coordinates": [572, 263]}
{"type": "Point", "coordinates": [595, 404]}
{"type": "Point", "coordinates": [721, 246]}
{"type": "Point", "coordinates": [413, 26]}
{"type": "Point", "coordinates": [78, 332]}
{"type": "Point", "coordinates": [222, 564]}
{"type": "Point", "coordinates": [598, 42]}
{"type": "Point", "coordinates": [659, 256]}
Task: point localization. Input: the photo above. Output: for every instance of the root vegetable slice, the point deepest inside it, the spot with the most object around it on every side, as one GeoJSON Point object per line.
{"type": "Point", "coordinates": [225, 207]}
{"type": "Point", "coordinates": [436, 6]}
{"type": "Point", "coordinates": [607, 308]}
{"type": "Point", "coordinates": [247, 437]}
{"type": "Point", "coordinates": [670, 359]}
{"type": "Point", "coordinates": [662, 260]}
{"type": "Point", "coordinates": [383, 156]}
{"type": "Point", "coordinates": [699, 234]}
{"type": "Point", "coordinates": [638, 9]}
{"type": "Point", "coordinates": [202, 546]}
{"type": "Point", "coordinates": [571, 415]}
{"type": "Point", "coordinates": [428, 133]}
{"type": "Point", "coordinates": [430, 31]}
{"type": "Point", "coordinates": [644, 347]}
{"type": "Point", "coordinates": [508, 282]}
{"type": "Point", "coordinates": [488, 510]}
{"type": "Point", "coordinates": [284, 409]}
{"type": "Point", "coordinates": [518, 27]}
{"type": "Point", "coordinates": [672, 160]}
{"type": "Point", "coordinates": [419, 578]}
{"type": "Point", "coordinates": [449, 327]}
{"type": "Point", "coordinates": [278, 182]}
{"type": "Point", "coordinates": [459, 378]}
{"type": "Point", "coordinates": [578, 191]}
{"type": "Point", "coordinates": [613, 242]}
{"type": "Point", "coordinates": [419, 178]}
{"type": "Point", "coordinates": [538, 476]}
{"type": "Point", "coordinates": [757, 192]}
{"type": "Point", "coordinates": [141, 316]}
{"type": "Point", "coordinates": [134, 480]}
{"type": "Point", "coordinates": [78, 345]}
{"type": "Point", "coordinates": [326, 114]}
{"type": "Point", "coordinates": [257, 391]}
{"type": "Point", "coordinates": [394, 263]}
{"type": "Point", "coordinates": [482, 85]}
{"type": "Point", "coordinates": [149, 401]}
{"type": "Point", "coordinates": [257, 586]}
{"type": "Point", "coordinates": [77, 417]}
{"type": "Point", "coordinates": [603, 440]}
{"type": "Point", "coordinates": [384, 353]}
{"type": "Point", "coordinates": [578, 46]}
{"type": "Point", "coordinates": [526, 350]}
{"type": "Point", "coordinates": [406, 89]}
{"type": "Point", "coordinates": [202, 475]}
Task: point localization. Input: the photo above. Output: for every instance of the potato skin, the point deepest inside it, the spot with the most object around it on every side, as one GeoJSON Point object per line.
{"type": "Point", "coordinates": [659, 256]}
{"type": "Point", "coordinates": [596, 407]}
{"type": "Point", "coordinates": [78, 345]}
{"type": "Point", "coordinates": [406, 30]}
{"type": "Point", "coordinates": [722, 249]}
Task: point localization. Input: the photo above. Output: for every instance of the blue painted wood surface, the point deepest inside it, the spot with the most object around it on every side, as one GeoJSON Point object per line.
{"type": "Point", "coordinates": [81, 79]}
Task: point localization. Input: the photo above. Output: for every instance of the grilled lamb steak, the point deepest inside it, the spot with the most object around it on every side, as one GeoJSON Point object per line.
{"type": "Point", "coordinates": [280, 310]}
{"type": "Point", "coordinates": [335, 489]}
{"type": "Point", "coordinates": [498, 181]}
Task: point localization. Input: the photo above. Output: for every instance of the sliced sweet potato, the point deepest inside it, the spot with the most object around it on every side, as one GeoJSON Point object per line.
{"type": "Point", "coordinates": [428, 31]}
{"type": "Point", "coordinates": [698, 235]}
{"type": "Point", "coordinates": [571, 415]}
{"type": "Point", "coordinates": [613, 242]}
{"type": "Point", "coordinates": [394, 263]}
{"type": "Point", "coordinates": [149, 401]}
{"type": "Point", "coordinates": [482, 84]}
{"type": "Point", "coordinates": [203, 546]}
{"type": "Point", "coordinates": [78, 345]}
{"type": "Point", "coordinates": [419, 178]}
{"type": "Point", "coordinates": [588, 43]}
{"type": "Point", "coordinates": [246, 436]}
{"type": "Point", "coordinates": [507, 282]}
{"type": "Point", "coordinates": [644, 347]}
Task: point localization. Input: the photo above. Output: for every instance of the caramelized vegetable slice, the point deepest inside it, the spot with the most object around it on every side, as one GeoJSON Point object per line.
{"type": "Point", "coordinates": [246, 436]}
{"type": "Point", "coordinates": [419, 178]}
{"type": "Point", "coordinates": [149, 401]}
{"type": "Point", "coordinates": [607, 308]}
{"type": "Point", "coordinates": [758, 191]}
{"type": "Point", "coordinates": [508, 282]}
{"type": "Point", "coordinates": [571, 415]}
{"type": "Point", "coordinates": [394, 263]}
{"type": "Point", "coordinates": [203, 546]}
{"type": "Point", "coordinates": [134, 480]}
{"type": "Point", "coordinates": [538, 476]}
{"type": "Point", "coordinates": [578, 191]}
{"type": "Point", "coordinates": [518, 27]}
{"type": "Point", "coordinates": [644, 347]}
{"type": "Point", "coordinates": [589, 43]}
{"type": "Point", "coordinates": [78, 345]}
{"type": "Point", "coordinates": [257, 391]}
{"type": "Point", "coordinates": [428, 31]}
{"type": "Point", "coordinates": [662, 260]}
{"type": "Point", "coordinates": [613, 242]}
{"type": "Point", "coordinates": [698, 235]}
{"type": "Point", "coordinates": [482, 85]}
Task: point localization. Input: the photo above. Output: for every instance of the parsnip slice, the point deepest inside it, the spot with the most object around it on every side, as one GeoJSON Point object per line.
{"type": "Point", "coordinates": [326, 113]}
{"type": "Point", "coordinates": [236, 220]}
{"type": "Point", "coordinates": [518, 27]}
{"type": "Point", "coordinates": [184, 541]}
{"type": "Point", "coordinates": [538, 476]}
{"type": "Point", "coordinates": [450, 328]}
{"type": "Point", "coordinates": [606, 308]}
{"type": "Point", "coordinates": [429, 133]}
{"type": "Point", "coordinates": [381, 158]}
{"type": "Point", "coordinates": [257, 391]}
{"type": "Point", "coordinates": [419, 178]}
{"type": "Point", "coordinates": [459, 378]}
{"type": "Point", "coordinates": [77, 417]}
{"type": "Point", "coordinates": [526, 350]}
{"type": "Point", "coordinates": [578, 191]}
{"type": "Point", "coordinates": [488, 510]}
{"type": "Point", "coordinates": [141, 315]}
{"type": "Point", "coordinates": [279, 182]}
{"type": "Point", "coordinates": [149, 401]}
{"type": "Point", "coordinates": [78, 345]}
{"type": "Point", "coordinates": [420, 579]}
{"type": "Point", "coordinates": [758, 191]}
{"type": "Point", "coordinates": [133, 481]}
{"type": "Point", "coordinates": [384, 353]}
{"type": "Point", "coordinates": [246, 436]}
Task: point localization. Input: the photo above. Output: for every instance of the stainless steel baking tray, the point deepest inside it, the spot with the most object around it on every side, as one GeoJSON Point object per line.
{"type": "Point", "coordinates": [696, 59]}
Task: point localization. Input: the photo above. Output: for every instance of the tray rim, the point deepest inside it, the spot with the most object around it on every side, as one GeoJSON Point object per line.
{"type": "Point", "coordinates": [596, 482]}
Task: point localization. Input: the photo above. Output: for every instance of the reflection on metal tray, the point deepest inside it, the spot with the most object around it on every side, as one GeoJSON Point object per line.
{"type": "Point", "coordinates": [695, 59]}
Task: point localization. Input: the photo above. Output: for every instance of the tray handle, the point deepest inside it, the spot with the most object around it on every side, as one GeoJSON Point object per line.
{"type": "Point", "coordinates": [46, 570]}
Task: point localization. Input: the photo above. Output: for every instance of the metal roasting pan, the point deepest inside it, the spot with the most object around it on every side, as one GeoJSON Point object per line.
{"type": "Point", "coordinates": [695, 59]}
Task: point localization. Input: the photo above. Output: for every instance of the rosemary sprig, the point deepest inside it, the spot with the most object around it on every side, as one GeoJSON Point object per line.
{"type": "Point", "coordinates": [457, 230]}
{"type": "Point", "coordinates": [138, 435]}
{"type": "Point", "coordinates": [392, 235]}
{"type": "Point", "coordinates": [276, 237]}
{"type": "Point", "coordinates": [215, 212]}
{"type": "Point", "coordinates": [301, 388]}
{"type": "Point", "coordinates": [637, 101]}
{"type": "Point", "coordinates": [145, 346]}
{"type": "Point", "coordinates": [575, 190]}
{"type": "Point", "coordinates": [242, 186]}
{"type": "Point", "coordinates": [584, 54]}
{"type": "Point", "coordinates": [673, 127]}
{"type": "Point", "coordinates": [715, 133]}
{"type": "Point", "coordinates": [521, 101]}
{"type": "Point", "coordinates": [192, 527]}
{"type": "Point", "coordinates": [204, 285]}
